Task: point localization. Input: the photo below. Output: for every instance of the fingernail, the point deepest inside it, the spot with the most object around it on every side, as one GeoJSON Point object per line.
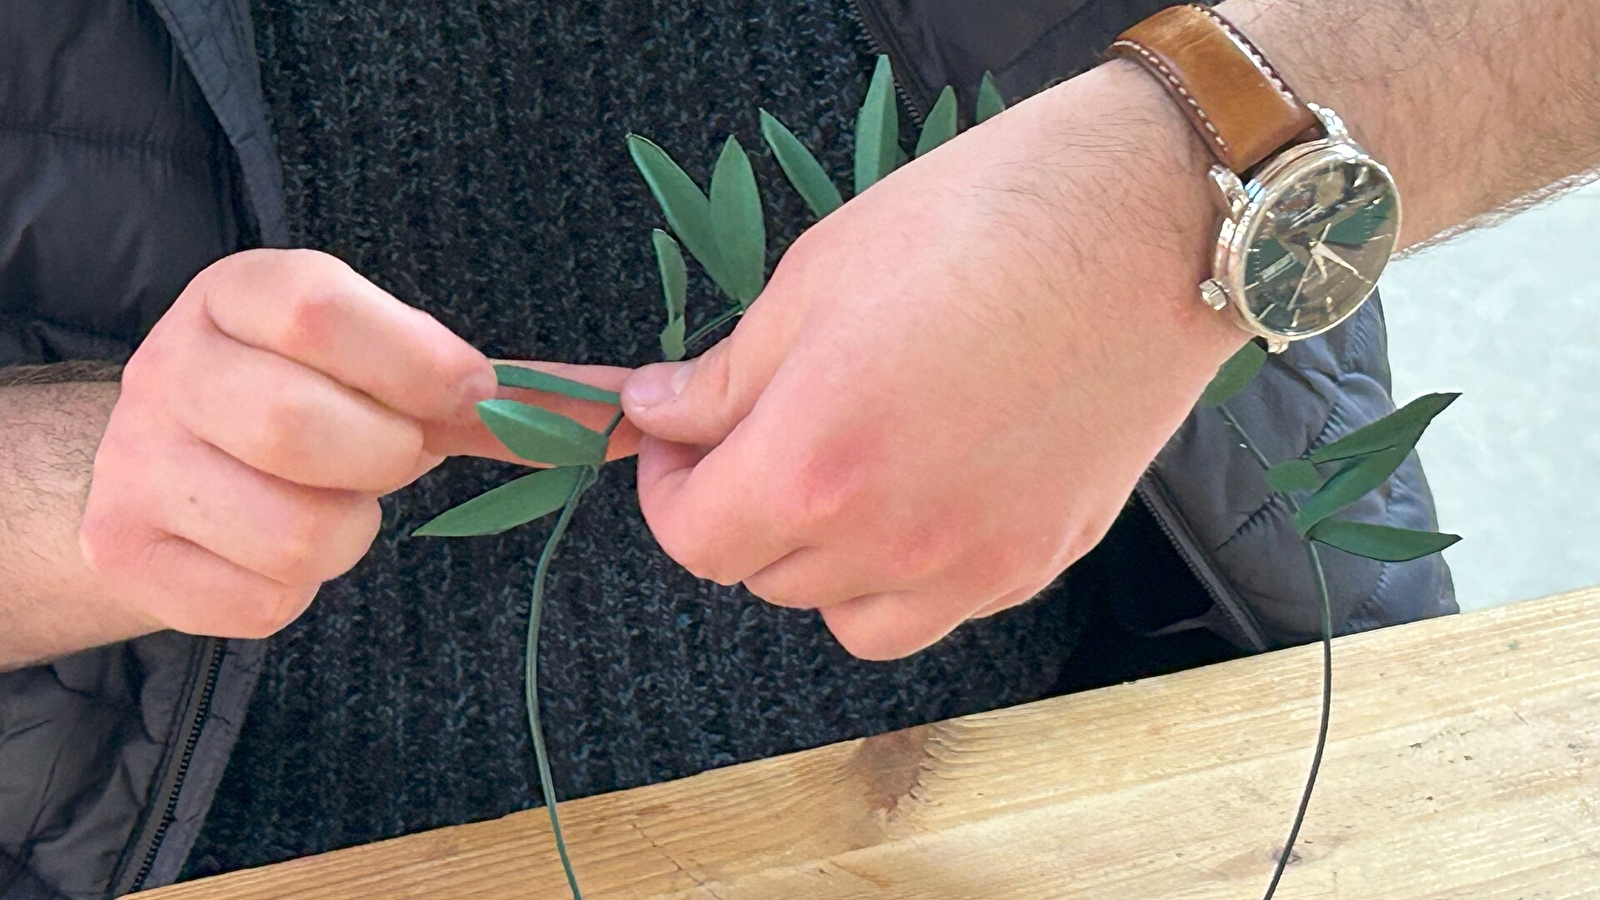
{"type": "Point", "coordinates": [480, 386]}
{"type": "Point", "coordinates": [655, 385]}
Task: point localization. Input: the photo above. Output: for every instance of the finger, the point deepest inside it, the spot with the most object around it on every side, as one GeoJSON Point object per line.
{"type": "Point", "coordinates": [895, 625]}
{"type": "Point", "coordinates": [183, 586]}
{"type": "Point", "coordinates": [466, 435]}
{"type": "Point", "coordinates": [288, 532]}
{"type": "Point", "coordinates": [712, 525]}
{"type": "Point", "coordinates": [817, 578]}
{"type": "Point", "coordinates": [312, 308]}
{"type": "Point", "coordinates": [285, 419]}
{"type": "Point", "coordinates": [1014, 598]}
{"type": "Point", "coordinates": [702, 400]}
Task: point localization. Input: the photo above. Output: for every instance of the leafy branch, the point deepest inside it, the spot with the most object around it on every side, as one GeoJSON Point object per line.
{"type": "Point", "coordinates": [1370, 455]}
{"type": "Point", "coordinates": [724, 231]}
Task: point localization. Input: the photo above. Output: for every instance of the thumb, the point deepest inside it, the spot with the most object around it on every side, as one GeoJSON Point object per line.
{"type": "Point", "coordinates": [702, 400]}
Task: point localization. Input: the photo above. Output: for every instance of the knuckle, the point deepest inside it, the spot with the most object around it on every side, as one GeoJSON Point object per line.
{"type": "Point", "coordinates": [868, 643]}
{"type": "Point", "coordinates": [107, 540]}
{"type": "Point", "coordinates": [269, 608]}
{"type": "Point", "coordinates": [315, 543]}
{"type": "Point", "coordinates": [776, 593]}
{"type": "Point", "coordinates": [923, 550]}
{"type": "Point", "coordinates": [819, 490]}
{"type": "Point", "coordinates": [285, 418]}
{"type": "Point", "coordinates": [713, 375]}
{"type": "Point", "coordinates": [694, 555]}
{"type": "Point", "coordinates": [309, 319]}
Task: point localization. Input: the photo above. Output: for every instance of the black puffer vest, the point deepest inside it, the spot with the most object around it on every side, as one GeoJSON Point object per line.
{"type": "Point", "coordinates": [137, 145]}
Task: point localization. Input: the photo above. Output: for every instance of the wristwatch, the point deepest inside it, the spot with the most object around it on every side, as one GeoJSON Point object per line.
{"type": "Point", "coordinates": [1309, 218]}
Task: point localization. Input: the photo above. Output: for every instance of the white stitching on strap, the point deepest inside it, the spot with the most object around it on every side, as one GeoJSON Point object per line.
{"type": "Point", "coordinates": [1172, 79]}
{"type": "Point", "coordinates": [1250, 51]}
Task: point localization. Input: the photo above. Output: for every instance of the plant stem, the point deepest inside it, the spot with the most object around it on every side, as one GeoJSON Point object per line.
{"type": "Point", "coordinates": [1249, 444]}
{"type": "Point", "coordinates": [1322, 729]}
{"type": "Point", "coordinates": [531, 668]}
{"type": "Point", "coordinates": [531, 662]}
{"type": "Point", "coordinates": [717, 321]}
{"type": "Point", "coordinates": [1321, 582]}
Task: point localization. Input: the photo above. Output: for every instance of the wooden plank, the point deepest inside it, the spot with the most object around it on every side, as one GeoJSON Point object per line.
{"type": "Point", "coordinates": [1462, 763]}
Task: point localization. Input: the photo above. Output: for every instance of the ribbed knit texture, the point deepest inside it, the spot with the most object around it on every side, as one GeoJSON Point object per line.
{"type": "Point", "coordinates": [469, 157]}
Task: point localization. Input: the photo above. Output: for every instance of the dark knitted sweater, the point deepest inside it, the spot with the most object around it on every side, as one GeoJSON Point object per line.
{"type": "Point", "coordinates": [469, 157]}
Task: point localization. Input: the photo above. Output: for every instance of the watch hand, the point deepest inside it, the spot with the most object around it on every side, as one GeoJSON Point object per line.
{"type": "Point", "coordinates": [1312, 251]}
{"type": "Point", "coordinates": [1321, 252]}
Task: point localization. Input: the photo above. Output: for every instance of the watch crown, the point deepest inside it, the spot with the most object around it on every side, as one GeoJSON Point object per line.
{"type": "Point", "coordinates": [1214, 294]}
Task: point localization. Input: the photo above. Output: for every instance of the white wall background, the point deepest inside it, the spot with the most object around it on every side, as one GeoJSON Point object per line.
{"type": "Point", "coordinates": [1510, 316]}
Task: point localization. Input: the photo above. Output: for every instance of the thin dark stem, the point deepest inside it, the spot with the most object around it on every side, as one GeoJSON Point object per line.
{"type": "Point", "coordinates": [1322, 729]}
{"type": "Point", "coordinates": [531, 671]}
{"type": "Point", "coordinates": [1244, 437]}
{"type": "Point", "coordinates": [1327, 664]}
{"type": "Point", "coordinates": [719, 320]}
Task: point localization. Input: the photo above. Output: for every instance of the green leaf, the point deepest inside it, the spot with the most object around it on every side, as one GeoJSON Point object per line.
{"type": "Point", "coordinates": [672, 348]}
{"type": "Point", "coordinates": [1380, 542]}
{"type": "Point", "coordinates": [674, 288]}
{"type": "Point", "coordinates": [541, 435]}
{"type": "Point", "coordinates": [941, 124]}
{"type": "Point", "coordinates": [1294, 475]}
{"type": "Point", "coordinates": [674, 277]}
{"type": "Point", "coordinates": [878, 129]}
{"type": "Point", "coordinates": [686, 207]}
{"type": "Point", "coordinates": [990, 102]}
{"type": "Point", "coordinates": [533, 379]}
{"type": "Point", "coordinates": [1234, 375]}
{"type": "Point", "coordinates": [737, 223]}
{"type": "Point", "coordinates": [805, 173]}
{"type": "Point", "coordinates": [507, 506]}
{"type": "Point", "coordinates": [1349, 484]}
{"type": "Point", "coordinates": [1401, 428]}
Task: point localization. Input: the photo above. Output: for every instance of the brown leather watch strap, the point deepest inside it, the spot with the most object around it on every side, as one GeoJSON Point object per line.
{"type": "Point", "coordinates": [1240, 104]}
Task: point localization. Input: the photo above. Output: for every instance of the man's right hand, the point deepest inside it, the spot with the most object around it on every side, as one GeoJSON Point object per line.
{"type": "Point", "coordinates": [257, 426]}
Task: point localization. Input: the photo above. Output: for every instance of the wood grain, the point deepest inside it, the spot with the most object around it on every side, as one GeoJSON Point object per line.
{"type": "Point", "coordinates": [1462, 764]}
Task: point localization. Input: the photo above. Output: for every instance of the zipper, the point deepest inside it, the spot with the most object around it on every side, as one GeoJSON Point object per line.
{"type": "Point", "coordinates": [870, 37]}
{"type": "Point", "coordinates": [1161, 509]}
{"type": "Point", "coordinates": [191, 737]}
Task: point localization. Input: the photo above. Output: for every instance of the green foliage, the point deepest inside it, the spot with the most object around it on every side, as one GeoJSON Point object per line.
{"type": "Point", "coordinates": [1294, 475]}
{"type": "Point", "coordinates": [941, 124]}
{"type": "Point", "coordinates": [990, 101]}
{"type": "Point", "coordinates": [1401, 428]}
{"type": "Point", "coordinates": [1234, 374]}
{"type": "Point", "coordinates": [543, 436]}
{"type": "Point", "coordinates": [507, 506]}
{"type": "Point", "coordinates": [1370, 455]}
{"type": "Point", "coordinates": [674, 289]}
{"type": "Point", "coordinates": [804, 172]}
{"type": "Point", "coordinates": [1352, 482]}
{"type": "Point", "coordinates": [737, 223]}
{"type": "Point", "coordinates": [878, 150]}
{"type": "Point", "coordinates": [1380, 542]}
{"type": "Point", "coordinates": [686, 207]}
{"type": "Point", "coordinates": [533, 379]}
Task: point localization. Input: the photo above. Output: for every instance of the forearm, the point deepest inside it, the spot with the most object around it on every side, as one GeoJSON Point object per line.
{"type": "Point", "coordinates": [50, 603]}
{"type": "Point", "coordinates": [1473, 104]}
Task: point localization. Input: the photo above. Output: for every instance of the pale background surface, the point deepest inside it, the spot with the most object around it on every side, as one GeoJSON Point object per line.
{"type": "Point", "coordinates": [1510, 316]}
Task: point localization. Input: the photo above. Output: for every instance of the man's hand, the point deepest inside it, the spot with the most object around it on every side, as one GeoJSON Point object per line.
{"type": "Point", "coordinates": [257, 426]}
{"type": "Point", "coordinates": [952, 384]}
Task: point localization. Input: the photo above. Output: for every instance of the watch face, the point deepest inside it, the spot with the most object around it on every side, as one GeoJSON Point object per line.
{"type": "Point", "coordinates": [1318, 234]}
